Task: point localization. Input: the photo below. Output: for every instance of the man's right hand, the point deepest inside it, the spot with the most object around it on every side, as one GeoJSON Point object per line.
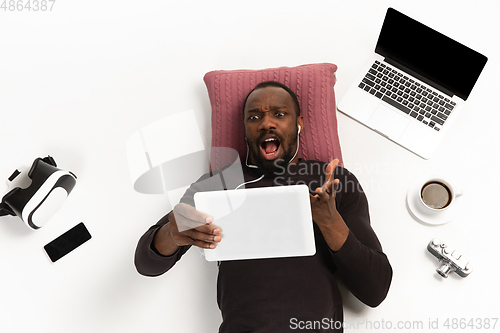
{"type": "Point", "coordinates": [186, 226]}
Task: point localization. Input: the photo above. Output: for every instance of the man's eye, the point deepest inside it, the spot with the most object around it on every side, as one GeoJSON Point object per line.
{"type": "Point", "coordinates": [254, 117]}
{"type": "Point", "coordinates": [280, 114]}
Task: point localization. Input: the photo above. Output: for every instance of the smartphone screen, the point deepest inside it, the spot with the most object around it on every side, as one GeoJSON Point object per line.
{"type": "Point", "coordinates": [67, 242]}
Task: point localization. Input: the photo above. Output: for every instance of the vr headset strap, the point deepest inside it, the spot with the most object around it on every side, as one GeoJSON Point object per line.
{"type": "Point", "coordinates": [4, 208]}
{"type": "Point", "coordinates": [49, 160]}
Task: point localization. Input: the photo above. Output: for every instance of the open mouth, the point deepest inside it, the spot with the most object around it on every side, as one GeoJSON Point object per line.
{"type": "Point", "coordinates": [270, 147]}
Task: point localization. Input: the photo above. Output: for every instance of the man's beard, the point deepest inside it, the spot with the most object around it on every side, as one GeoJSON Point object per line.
{"type": "Point", "coordinates": [272, 167]}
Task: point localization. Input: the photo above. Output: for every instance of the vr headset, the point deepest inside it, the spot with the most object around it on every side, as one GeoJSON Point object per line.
{"type": "Point", "coordinates": [38, 202]}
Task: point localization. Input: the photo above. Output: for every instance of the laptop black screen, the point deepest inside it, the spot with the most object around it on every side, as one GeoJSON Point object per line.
{"type": "Point", "coordinates": [429, 55]}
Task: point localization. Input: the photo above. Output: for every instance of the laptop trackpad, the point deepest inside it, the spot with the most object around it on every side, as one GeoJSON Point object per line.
{"type": "Point", "coordinates": [388, 122]}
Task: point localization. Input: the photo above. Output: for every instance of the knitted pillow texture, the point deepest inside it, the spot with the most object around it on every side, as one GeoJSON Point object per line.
{"type": "Point", "coordinates": [314, 86]}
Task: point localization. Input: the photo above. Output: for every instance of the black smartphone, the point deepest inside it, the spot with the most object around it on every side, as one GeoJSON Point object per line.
{"type": "Point", "coordinates": [67, 242]}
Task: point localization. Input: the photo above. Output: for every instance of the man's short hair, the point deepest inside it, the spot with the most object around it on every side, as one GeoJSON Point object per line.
{"type": "Point", "coordinates": [266, 84]}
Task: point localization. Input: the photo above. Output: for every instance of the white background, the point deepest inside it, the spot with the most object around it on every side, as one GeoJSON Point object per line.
{"type": "Point", "coordinates": [77, 81]}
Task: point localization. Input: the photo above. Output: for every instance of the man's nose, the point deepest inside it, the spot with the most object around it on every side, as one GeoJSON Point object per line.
{"type": "Point", "coordinates": [267, 123]}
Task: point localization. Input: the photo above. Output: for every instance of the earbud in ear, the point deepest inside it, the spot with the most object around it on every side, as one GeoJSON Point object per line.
{"type": "Point", "coordinates": [299, 129]}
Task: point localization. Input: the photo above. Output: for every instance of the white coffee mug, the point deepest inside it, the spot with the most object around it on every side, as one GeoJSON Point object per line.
{"type": "Point", "coordinates": [438, 194]}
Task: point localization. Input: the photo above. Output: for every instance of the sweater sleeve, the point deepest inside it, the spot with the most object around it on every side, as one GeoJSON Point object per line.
{"type": "Point", "coordinates": [148, 261]}
{"type": "Point", "coordinates": [361, 264]}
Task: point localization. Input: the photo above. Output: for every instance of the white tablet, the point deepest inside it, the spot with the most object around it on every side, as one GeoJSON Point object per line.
{"type": "Point", "coordinates": [267, 222]}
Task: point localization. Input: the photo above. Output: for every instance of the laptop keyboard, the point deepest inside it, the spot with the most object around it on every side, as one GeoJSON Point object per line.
{"type": "Point", "coordinates": [413, 98]}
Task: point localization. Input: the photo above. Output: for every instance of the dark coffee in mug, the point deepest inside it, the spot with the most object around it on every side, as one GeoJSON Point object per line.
{"type": "Point", "coordinates": [436, 195]}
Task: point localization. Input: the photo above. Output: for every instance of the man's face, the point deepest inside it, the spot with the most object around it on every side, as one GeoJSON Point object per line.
{"type": "Point", "coordinates": [271, 126]}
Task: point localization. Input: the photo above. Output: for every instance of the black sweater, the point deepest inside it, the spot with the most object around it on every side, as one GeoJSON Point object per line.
{"type": "Point", "coordinates": [283, 294]}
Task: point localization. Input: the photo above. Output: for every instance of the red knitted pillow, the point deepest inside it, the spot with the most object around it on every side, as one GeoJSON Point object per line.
{"type": "Point", "coordinates": [313, 85]}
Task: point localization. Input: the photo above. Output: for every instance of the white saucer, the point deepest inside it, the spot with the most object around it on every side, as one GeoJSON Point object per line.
{"type": "Point", "coordinates": [426, 216]}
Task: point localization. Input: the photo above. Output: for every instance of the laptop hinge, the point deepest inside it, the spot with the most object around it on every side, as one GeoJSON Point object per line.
{"type": "Point", "coordinates": [420, 77]}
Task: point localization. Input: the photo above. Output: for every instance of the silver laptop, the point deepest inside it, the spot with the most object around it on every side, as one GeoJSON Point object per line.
{"type": "Point", "coordinates": [413, 87]}
{"type": "Point", "coordinates": [256, 223]}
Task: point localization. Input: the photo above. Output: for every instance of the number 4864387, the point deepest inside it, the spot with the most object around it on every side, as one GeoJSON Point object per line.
{"type": "Point", "coordinates": [27, 5]}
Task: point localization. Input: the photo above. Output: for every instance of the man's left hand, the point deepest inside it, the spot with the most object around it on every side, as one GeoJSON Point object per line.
{"type": "Point", "coordinates": [324, 210]}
